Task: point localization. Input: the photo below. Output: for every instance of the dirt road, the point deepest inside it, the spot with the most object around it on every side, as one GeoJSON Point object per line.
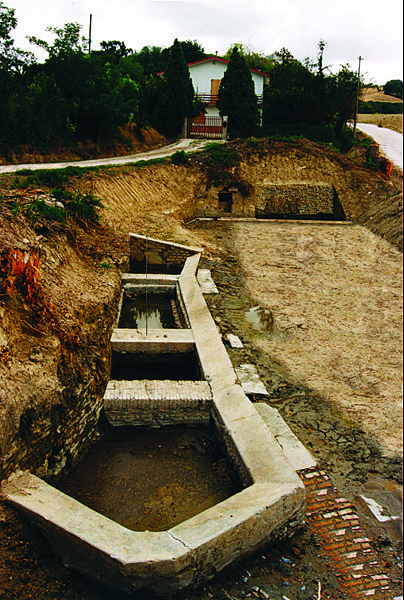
{"type": "Point", "coordinates": [390, 142]}
{"type": "Point", "coordinates": [186, 145]}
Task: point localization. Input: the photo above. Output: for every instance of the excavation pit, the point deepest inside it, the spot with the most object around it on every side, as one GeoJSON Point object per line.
{"type": "Point", "coordinates": [152, 480]}
{"type": "Point", "coordinates": [269, 506]}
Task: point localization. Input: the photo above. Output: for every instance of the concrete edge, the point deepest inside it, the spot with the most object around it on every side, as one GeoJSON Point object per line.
{"type": "Point", "coordinates": [159, 561]}
{"type": "Point", "coordinates": [293, 449]}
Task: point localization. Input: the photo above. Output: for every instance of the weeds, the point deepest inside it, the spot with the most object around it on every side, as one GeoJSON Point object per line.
{"type": "Point", "coordinates": [15, 209]}
{"type": "Point", "coordinates": [52, 178]}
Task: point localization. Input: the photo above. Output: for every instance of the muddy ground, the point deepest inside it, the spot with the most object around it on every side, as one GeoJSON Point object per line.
{"type": "Point", "coordinates": [332, 338]}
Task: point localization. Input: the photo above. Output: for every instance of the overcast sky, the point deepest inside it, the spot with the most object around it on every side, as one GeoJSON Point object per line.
{"type": "Point", "coordinates": [351, 28]}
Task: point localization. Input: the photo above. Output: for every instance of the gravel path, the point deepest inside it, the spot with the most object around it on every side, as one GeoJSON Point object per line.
{"type": "Point", "coordinates": [187, 145]}
{"type": "Point", "coordinates": [390, 142]}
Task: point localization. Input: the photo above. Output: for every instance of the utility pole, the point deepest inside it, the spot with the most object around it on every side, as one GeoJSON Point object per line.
{"type": "Point", "coordinates": [89, 34]}
{"type": "Point", "coordinates": [357, 96]}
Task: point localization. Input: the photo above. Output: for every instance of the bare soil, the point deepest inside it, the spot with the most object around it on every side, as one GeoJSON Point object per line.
{"type": "Point", "coordinates": [129, 141]}
{"type": "Point", "coordinates": [331, 361]}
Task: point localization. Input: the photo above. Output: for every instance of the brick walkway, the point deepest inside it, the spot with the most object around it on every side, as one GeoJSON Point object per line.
{"type": "Point", "coordinates": [345, 545]}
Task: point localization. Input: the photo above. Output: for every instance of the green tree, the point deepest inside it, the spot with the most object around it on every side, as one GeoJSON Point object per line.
{"type": "Point", "coordinates": [394, 87]}
{"type": "Point", "coordinates": [192, 51]}
{"type": "Point", "coordinates": [152, 59]}
{"type": "Point", "coordinates": [67, 41]}
{"type": "Point", "coordinates": [176, 101]}
{"type": "Point", "coordinates": [12, 63]}
{"type": "Point", "coordinates": [97, 96]}
{"type": "Point", "coordinates": [290, 98]}
{"type": "Point", "coordinates": [37, 111]}
{"type": "Point", "coordinates": [255, 60]}
{"type": "Point", "coordinates": [11, 58]}
{"type": "Point", "coordinates": [237, 99]}
{"type": "Point", "coordinates": [115, 49]}
{"type": "Point", "coordinates": [341, 97]}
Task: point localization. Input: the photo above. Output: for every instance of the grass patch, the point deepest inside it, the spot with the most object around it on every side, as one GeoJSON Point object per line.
{"type": "Point", "coordinates": [52, 178]}
{"type": "Point", "coordinates": [153, 161]}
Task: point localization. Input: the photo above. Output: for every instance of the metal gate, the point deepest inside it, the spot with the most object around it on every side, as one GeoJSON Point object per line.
{"type": "Point", "coordinates": [205, 127]}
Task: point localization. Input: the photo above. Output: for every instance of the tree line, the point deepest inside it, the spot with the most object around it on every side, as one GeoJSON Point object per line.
{"type": "Point", "coordinates": [76, 94]}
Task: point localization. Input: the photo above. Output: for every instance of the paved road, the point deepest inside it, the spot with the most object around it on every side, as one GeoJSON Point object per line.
{"type": "Point", "coordinates": [390, 142]}
{"type": "Point", "coordinates": [187, 145]}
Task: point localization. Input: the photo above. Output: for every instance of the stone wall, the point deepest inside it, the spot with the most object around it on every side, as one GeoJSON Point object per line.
{"type": "Point", "coordinates": [272, 200]}
{"type": "Point", "coordinates": [156, 404]}
{"type": "Point", "coordinates": [161, 257]}
{"type": "Point", "coordinates": [224, 202]}
{"type": "Point", "coordinates": [298, 200]}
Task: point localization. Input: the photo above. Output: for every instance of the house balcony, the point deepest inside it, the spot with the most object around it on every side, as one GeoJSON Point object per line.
{"type": "Point", "coordinates": [211, 99]}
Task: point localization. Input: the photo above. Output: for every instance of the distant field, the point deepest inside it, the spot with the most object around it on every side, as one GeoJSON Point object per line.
{"type": "Point", "coordinates": [394, 122]}
{"type": "Point", "coordinates": [373, 95]}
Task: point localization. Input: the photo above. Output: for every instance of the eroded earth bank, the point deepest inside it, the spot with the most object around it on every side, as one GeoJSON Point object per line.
{"type": "Point", "coordinates": [329, 352]}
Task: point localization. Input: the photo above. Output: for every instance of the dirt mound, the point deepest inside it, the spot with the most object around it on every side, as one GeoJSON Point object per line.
{"type": "Point", "coordinates": [129, 141]}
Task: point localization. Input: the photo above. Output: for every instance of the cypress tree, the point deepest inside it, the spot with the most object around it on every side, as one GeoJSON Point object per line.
{"type": "Point", "coordinates": [176, 102]}
{"type": "Point", "coordinates": [237, 99]}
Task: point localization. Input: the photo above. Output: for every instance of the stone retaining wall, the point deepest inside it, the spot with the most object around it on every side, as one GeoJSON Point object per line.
{"type": "Point", "coordinates": [273, 200]}
{"type": "Point", "coordinates": [295, 200]}
{"type": "Point", "coordinates": [211, 204]}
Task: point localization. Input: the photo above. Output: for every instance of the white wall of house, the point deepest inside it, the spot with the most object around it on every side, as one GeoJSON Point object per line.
{"type": "Point", "coordinates": [258, 83]}
{"type": "Point", "coordinates": [203, 73]}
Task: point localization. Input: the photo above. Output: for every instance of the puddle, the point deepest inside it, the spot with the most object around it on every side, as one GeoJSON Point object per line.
{"type": "Point", "coordinates": [152, 312]}
{"type": "Point", "coordinates": [152, 480]}
{"type": "Point", "coordinates": [260, 318]}
{"type": "Point", "coordinates": [174, 367]}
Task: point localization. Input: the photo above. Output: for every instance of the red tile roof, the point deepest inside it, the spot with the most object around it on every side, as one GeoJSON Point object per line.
{"type": "Point", "coordinates": [218, 59]}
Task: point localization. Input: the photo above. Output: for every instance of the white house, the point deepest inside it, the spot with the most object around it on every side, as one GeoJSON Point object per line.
{"type": "Point", "coordinates": [206, 75]}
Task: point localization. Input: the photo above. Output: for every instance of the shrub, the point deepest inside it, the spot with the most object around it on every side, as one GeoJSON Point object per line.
{"type": "Point", "coordinates": [179, 158]}
{"type": "Point", "coordinates": [381, 108]}
{"type": "Point", "coordinates": [43, 210]}
{"type": "Point", "coordinates": [222, 157]}
{"type": "Point", "coordinates": [83, 207]}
